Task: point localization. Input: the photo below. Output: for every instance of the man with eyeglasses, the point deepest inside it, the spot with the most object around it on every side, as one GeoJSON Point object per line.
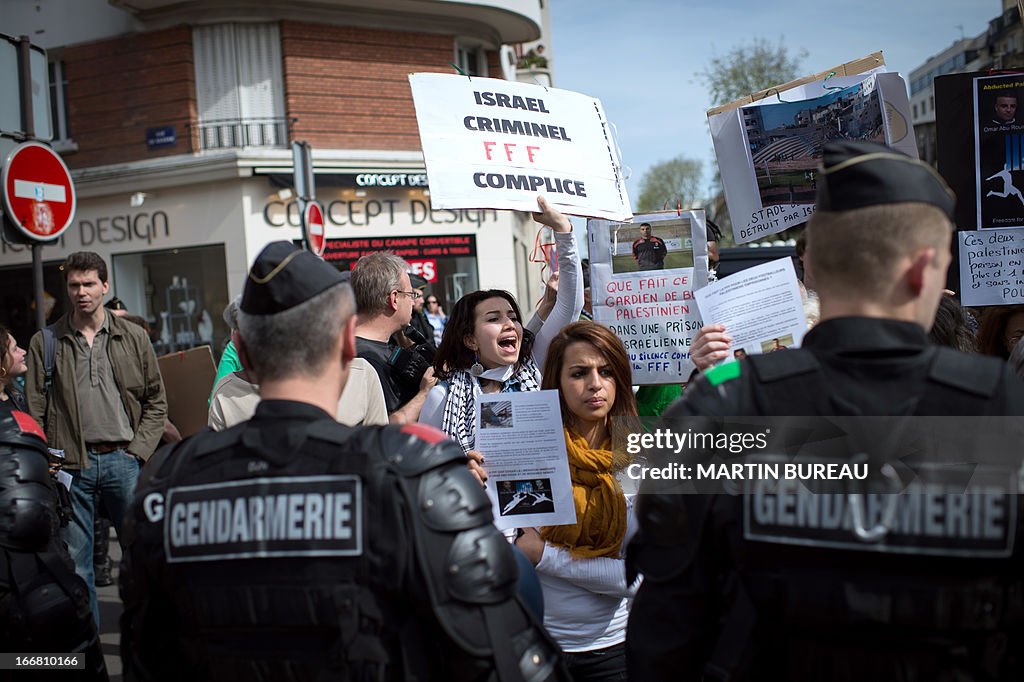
{"type": "Point", "coordinates": [384, 299]}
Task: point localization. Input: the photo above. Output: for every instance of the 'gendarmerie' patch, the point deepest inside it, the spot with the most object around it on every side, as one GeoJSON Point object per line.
{"type": "Point", "coordinates": [265, 517]}
{"type": "Point", "coordinates": [927, 518]}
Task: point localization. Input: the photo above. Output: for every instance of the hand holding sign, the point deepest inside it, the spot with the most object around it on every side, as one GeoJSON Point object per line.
{"type": "Point", "coordinates": [551, 217]}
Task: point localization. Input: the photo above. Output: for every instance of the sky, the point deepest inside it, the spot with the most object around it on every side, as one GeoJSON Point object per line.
{"type": "Point", "coordinates": [641, 57]}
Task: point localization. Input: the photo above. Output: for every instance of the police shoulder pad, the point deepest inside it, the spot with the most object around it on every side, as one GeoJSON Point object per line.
{"type": "Point", "coordinates": [969, 373]}
{"type": "Point", "coordinates": [783, 364]}
{"type": "Point", "coordinates": [415, 448]}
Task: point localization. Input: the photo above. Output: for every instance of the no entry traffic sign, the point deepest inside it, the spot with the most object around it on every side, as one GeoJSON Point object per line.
{"type": "Point", "coordinates": [39, 197]}
{"type": "Point", "coordinates": [314, 223]}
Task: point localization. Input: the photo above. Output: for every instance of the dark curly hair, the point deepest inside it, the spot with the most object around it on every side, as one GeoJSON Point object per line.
{"type": "Point", "coordinates": [951, 327]}
{"type": "Point", "coordinates": [453, 354]}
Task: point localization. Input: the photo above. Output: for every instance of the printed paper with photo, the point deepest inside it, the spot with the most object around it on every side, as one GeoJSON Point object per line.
{"type": "Point", "coordinates": [999, 151]}
{"type": "Point", "coordinates": [528, 480]}
{"type": "Point", "coordinates": [761, 308]}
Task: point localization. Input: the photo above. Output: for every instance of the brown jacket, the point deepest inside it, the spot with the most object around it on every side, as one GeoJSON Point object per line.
{"type": "Point", "coordinates": [138, 380]}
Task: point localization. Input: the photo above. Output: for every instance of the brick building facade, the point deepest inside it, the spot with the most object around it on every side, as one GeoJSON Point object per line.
{"type": "Point", "coordinates": [176, 119]}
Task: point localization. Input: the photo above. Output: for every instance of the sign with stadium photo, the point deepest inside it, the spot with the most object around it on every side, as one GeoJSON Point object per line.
{"type": "Point", "coordinates": [769, 151]}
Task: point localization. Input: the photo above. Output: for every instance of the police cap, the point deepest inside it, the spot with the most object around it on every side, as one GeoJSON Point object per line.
{"type": "Point", "coordinates": [859, 174]}
{"type": "Point", "coordinates": [417, 281]}
{"type": "Point", "coordinates": [284, 276]}
{"type": "Point", "coordinates": [115, 304]}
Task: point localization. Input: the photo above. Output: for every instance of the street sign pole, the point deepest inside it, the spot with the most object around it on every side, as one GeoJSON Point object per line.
{"type": "Point", "coordinates": [305, 186]}
{"type": "Point", "coordinates": [29, 127]}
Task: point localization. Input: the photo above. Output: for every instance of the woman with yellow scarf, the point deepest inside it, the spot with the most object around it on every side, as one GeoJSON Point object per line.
{"type": "Point", "coordinates": [581, 568]}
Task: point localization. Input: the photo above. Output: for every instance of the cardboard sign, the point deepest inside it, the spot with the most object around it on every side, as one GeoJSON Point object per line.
{"type": "Point", "coordinates": [643, 275]}
{"type": "Point", "coordinates": [188, 379]}
{"type": "Point", "coordinates": [769, 151]}
{"type": "Point", "coordinates": [491, 143]}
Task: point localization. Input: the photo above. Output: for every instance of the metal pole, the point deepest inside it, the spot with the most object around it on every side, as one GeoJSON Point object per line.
{"type": "Point", "coordinates": [37, 284]}
{"type": "Point", "coordinates": [28, 124]}
{"type": "Point", "coordinates": [28, 121]}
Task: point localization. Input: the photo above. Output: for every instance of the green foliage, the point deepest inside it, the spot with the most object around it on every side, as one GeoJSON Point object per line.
{"type": "Point", "coordinates": [749, 68]}
{"type": "Point", "coordinates": [745, 69]}
{"type": "Point", "coordinates": [678, 179]}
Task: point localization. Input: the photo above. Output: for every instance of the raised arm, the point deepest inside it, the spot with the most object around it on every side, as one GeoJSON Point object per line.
{"type": "Point", "coordinates": [569, 301]}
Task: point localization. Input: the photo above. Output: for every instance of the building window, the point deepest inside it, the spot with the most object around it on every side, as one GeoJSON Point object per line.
{"type": "Point", "coordinates": [239, 86]}
{"type": "Point", "coordinates": [59, 108]}
{"type": "Point", "coordinates": [915, 112]}
{"type": "Point", "coordinates": [180, 292]}
{"type": "Point", "coordinates": [470, 58]}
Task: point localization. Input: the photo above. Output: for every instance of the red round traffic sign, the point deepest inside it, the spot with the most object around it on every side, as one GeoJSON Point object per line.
{"type": "Point", "coordinates": [39, 196]}
{"type": "Point", "coordinates": [315, 234]}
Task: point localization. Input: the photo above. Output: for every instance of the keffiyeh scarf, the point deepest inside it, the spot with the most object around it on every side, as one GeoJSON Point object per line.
{"type": "Point", "coordinates": [459, 420]}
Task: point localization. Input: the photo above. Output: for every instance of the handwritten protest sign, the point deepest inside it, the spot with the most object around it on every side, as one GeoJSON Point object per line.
{"type": "Point", "coordinates": [491, 143]}
{"type": "Point", "coordinates": [991, 266]}
{"type": "Point", "coordinates": [769, 151]}
{"type": "Point", "coordinates": [643, 275]}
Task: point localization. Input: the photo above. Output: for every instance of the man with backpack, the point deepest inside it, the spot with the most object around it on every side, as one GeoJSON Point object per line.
{"type": "Point", "coordinates": [102, 403]}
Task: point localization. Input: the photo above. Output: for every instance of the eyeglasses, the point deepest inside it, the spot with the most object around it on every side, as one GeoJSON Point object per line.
{"type": "Point", "coordinates": [411, 294]}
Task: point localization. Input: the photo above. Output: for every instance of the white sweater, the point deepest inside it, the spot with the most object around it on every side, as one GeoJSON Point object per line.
{"type": "Point", "coordinates": [587, 601]}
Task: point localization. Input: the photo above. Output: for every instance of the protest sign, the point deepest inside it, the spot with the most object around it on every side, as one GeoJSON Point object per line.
{"type": "Point", "coordinates": [642, 283]}
{"type": "Point", "coordinates": [528, 478]}
{"type": "Point", "coordinates": [188, 379]}
{"type": "Point", "coordinates": [991, 267]}
{"type": "Point", "coordinates": [491, 143]}
{"type": "Point", "coordinates": [761, 308]}
{"type": "Point", "coordinates": [998, 151]}
{"type": "Point", "coordinates": [769, 151]}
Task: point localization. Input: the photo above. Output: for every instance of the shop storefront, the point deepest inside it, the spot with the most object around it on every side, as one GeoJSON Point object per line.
{"type": "Point", "coordinates": [457, 251]}
{"type": "Point", "coordinates": [447, 262]}
{"type": "Point", "coordinates": [167, 261]}
{"type": "Point", "coordinates": [179, 257]}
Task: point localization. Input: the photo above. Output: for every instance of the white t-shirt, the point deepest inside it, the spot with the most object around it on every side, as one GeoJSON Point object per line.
{"type": "Point", "coordinates": [234, 400]}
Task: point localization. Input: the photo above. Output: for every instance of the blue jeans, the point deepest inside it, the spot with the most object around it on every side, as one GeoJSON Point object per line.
{"type": "Point", "coordinates": [111, 477]}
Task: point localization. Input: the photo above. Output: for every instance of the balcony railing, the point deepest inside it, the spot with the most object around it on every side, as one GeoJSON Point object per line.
{"type": "Point", "coordinates": [228, 133]}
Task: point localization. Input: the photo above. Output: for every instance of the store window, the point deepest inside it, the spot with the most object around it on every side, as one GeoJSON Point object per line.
{"type": "Point", "coordinates": [447, 262]}
{"type": "Point", "coordinates": [239, 86]}
{"type": "Point", "coordinates": [182, 293]}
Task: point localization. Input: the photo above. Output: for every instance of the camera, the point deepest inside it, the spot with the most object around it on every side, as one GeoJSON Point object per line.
{"type": "Point", "coordinates": [408, 365]}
